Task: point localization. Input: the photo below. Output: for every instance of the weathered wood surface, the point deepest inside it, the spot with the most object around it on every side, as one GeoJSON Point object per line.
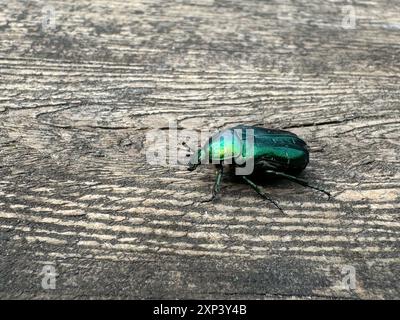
{"type": "Point", "coordinates": [76, 190]}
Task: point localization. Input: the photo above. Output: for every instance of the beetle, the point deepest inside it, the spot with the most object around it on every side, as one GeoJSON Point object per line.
{"type": "Point", "coordinates": [273, 152]}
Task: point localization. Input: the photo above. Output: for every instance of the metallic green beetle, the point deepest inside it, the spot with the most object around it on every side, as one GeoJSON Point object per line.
{"type": "Point", "coordinates": [270, 151]}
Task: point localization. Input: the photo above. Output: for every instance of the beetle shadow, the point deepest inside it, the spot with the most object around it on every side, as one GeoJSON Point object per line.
{"type": "Point", "coordinates": [263, 179]}
{"type": "Point", "coordinates": [259, 177]}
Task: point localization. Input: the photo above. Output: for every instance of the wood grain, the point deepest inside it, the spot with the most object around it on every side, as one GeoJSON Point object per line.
{"type": "Point", "coordinates": [76, 190]}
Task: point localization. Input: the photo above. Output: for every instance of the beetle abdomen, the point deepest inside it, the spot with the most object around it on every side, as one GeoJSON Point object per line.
{"type": "Point", "coordinates": [281, 150]}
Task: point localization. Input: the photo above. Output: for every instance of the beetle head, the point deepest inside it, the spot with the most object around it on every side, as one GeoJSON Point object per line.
{"type": "Point", "coordinates": [196, 159]}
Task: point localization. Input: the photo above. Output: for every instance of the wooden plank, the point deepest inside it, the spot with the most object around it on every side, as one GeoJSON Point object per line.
{"type": "Point", "coordinates": [79, 100]}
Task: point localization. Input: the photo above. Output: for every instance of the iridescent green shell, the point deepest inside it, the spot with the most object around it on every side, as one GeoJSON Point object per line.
{"type": "Point", "coordinates": [272, 149]}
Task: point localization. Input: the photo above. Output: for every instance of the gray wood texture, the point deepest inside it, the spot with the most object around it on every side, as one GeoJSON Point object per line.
{"type": "Point", "coordinates": [79, 94]}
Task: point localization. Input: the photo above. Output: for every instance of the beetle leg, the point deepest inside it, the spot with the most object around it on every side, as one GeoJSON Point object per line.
{"type": "Point", "coordinates": [217, 184]}
{"type": "Point", "coordinates": [262, 194]}
{"type": "Point", "coordinates": [298, 180]}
